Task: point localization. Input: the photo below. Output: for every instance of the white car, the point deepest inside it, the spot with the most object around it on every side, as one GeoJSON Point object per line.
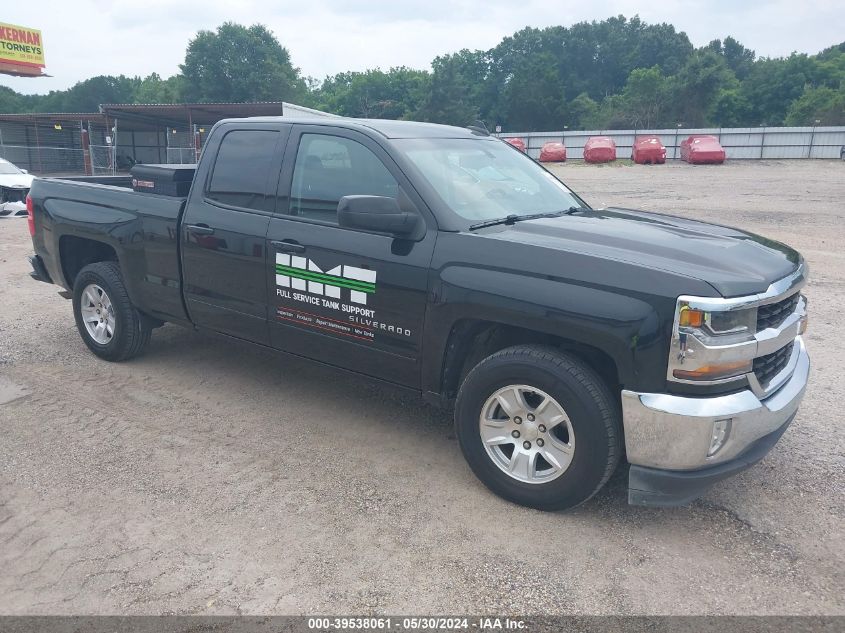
{"type": "Point", "coordinates": [14, 186]}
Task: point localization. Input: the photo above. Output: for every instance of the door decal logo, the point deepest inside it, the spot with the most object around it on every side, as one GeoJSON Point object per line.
{"type": "Point", "coordinates": [300, 273]}
{"type": "Point", "coordinates": [333, 301]}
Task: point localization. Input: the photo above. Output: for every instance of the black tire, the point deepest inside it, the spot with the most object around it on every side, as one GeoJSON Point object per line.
{"type": "Point", "coordinates": [132, 330]}
{"type": "Point", "coordinates": [592, 410]}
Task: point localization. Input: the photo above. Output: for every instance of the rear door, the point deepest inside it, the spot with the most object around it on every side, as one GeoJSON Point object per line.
{"type": "Point", "coordinates": [346, 297]}
{"type": "Point", "coordinates": [224, 260]}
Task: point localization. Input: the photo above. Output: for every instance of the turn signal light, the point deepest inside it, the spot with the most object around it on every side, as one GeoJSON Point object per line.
{"type": "Point", "coordinates": [30, 215]}
{"type": "Point", "coordinates": [714, 372]}
{"type": "Point", "coordinates": [690, 317]}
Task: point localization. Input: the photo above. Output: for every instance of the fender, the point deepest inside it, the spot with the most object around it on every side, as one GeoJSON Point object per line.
{"type": "Point", "coordinates": [622, 309]}
{"type": "Point", "coordinates": [627, 329]}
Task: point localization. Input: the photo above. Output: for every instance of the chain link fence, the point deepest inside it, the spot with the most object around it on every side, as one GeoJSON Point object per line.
{"type": "Point", "coordinates": [44, 160]}
{"type": "Point", "coordinates": [103, 160]}
{"type": "Point", "coordinates": [182, 145]}
{"type": "Point", "coordinates": [54, 148]}
{"type": "Point", "coordinates": [181, 155]}
{"type": "Point", "coordinates": [101, 139]}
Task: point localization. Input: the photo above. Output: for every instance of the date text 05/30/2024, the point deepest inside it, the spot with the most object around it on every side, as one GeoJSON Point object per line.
{"type": "Point", "coordinates": [415, 623]}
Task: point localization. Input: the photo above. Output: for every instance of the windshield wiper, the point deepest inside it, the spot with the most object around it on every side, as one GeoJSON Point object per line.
{"type": "Point", "coordinates": [513, 218]}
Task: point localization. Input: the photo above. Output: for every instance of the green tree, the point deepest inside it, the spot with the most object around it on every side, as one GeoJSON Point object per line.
{"type": "Point", "coordinates": [624, 72]}
{"type": "Point", "coordinates": [449, 100]}
{"type": "Point", "coordinates": [533, 97]}
{"type": "Point", "coordinates": [583, 112]}
{"type": "Point", "coordinates": [730, 109]}
{"type": "Point", "coordinates": [86, 96]}
{"type": "Point", "coordinates": [738, 58]}
{"type": "Point", "coordinates": [697, 86]}
{"type": "Point", "coordinates": [395, 94]}
{"type": "Point", "coordinates": [822, 104]}
{"type": "Point", "coordinates": [598, 57]}
{"type": "Point", "coordinates": [481, 91]}
{"type": "Point", "coordinates": [237, 64]}
{"type": "Point", "coordinates": [154, 89]}
{"type": "Point", "coordinates": [10, 101]}
{"type": "Point", "coordinates": [774, 83]}
{"type": "Point", "coordinates": [645, 97]}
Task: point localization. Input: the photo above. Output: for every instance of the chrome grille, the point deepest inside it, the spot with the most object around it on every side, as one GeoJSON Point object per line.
{"type": "Point", "coordinates": [768, 366]}
{"type": "Point", "coordinates": [773, 314]}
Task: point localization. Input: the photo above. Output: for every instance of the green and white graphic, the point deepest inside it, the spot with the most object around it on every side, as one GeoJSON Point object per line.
{"type": "Point", "coordinates": [300, 273]}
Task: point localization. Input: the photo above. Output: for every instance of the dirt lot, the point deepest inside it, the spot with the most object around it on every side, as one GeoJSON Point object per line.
{"type": "Point", "coordinates": [205, 477]}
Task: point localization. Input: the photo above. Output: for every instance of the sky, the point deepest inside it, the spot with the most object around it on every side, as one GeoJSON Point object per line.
{"type": "Point", "coordinates": [84, 38]}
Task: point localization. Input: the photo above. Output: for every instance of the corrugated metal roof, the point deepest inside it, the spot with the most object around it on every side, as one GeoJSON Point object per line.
{"type": "Point", "coordinates": [75, 116]}
{"type": "Point", "coordinates": [197, 104]}
{"type": "Point", "coordinates": [151, 116]}
{"type": "Point", "coordinates": [185, 113]}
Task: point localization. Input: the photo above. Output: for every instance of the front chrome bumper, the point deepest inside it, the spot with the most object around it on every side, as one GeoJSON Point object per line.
{"type": "Point", "coordinates": [671, 432]}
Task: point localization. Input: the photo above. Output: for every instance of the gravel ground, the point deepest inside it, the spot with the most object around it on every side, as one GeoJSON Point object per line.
{"type": "Point", "coordinates": [206, 477]}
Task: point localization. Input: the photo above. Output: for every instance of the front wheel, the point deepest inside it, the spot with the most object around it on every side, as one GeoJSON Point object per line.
{"type": "Point", "coordinates": [106, 319]}
{"type": "Point", "coordinates": [538, 427]}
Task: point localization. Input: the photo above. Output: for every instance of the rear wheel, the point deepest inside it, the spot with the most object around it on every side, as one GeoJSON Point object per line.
{"type": "Point", "coordinates": [538, 427]}
{"type": "Point", "coordinates": [106, 319]}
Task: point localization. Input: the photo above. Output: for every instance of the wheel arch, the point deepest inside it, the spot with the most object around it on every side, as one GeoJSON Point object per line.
{"type": "Point", "coordinates": [472, 340]}
{"type": "Point", "coordinates": [75, 253]}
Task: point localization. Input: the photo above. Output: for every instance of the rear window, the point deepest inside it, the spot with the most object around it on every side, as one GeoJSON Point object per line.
{"type": "Point", "coordinates": [243, 168]}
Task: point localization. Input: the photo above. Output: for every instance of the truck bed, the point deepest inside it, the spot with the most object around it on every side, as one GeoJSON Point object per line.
{"type": "Point", "coordinates": [142, 229]}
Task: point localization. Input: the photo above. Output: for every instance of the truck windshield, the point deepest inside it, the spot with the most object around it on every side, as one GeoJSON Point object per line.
{"type": "Point", "coordinates": [484, 179]}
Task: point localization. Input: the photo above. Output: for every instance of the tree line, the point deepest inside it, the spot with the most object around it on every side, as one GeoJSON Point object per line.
{"type": "Point", "coordinates": [615, 73]}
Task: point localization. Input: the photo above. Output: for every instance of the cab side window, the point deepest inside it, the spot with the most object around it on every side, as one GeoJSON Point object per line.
{"type": "Point", "coordinates": [330, 167]}
{"type": "Point", "coordinates": [242, 169]}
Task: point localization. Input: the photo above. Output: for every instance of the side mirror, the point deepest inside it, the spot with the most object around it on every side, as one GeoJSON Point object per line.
{"type": "Point", "coordinates": [376, 213]}
{"type": "Point", "coordinates": [24, 171]}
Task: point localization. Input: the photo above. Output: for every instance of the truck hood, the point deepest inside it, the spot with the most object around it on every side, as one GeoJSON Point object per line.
{"type": "Point", "coordinates": [732, 261]}
{"type": "Point", "coordinates": [23, 181]}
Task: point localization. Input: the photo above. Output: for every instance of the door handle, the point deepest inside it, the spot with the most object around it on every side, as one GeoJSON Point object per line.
{"type": "Point", "coordinates": [288, 247]}
{"type": "Point", "coordinates": [199, 229]}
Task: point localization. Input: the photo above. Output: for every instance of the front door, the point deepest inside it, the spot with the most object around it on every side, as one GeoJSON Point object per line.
{"type": "Point", "coordinates": [224, 259]}
{"type": "Point", "coordinates": [349, 298]}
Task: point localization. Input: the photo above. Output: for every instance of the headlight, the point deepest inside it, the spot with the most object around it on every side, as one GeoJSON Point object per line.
{"type": "Point", "coordinates": [718, 323]}
{"type": "Point", "coordinates": [708, 343]}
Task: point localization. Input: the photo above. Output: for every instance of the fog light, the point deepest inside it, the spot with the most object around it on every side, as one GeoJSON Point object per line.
{"type": "Point", "coordinates": [721, 430]}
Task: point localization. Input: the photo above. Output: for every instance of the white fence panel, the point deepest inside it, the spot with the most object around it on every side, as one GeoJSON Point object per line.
{"type": "Point", "coordinates": [739, 143]}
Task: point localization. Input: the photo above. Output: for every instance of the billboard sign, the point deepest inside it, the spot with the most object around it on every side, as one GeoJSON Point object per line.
{"type": "Point", "coordinates": [21, 50]}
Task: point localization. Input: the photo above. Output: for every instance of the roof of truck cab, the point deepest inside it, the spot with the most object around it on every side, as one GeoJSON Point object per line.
{"type": "Point", "coordinates": [385, 127]}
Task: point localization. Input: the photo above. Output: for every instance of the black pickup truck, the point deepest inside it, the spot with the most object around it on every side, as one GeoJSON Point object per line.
{"type": "Point", "coordinates": [442, 260]}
